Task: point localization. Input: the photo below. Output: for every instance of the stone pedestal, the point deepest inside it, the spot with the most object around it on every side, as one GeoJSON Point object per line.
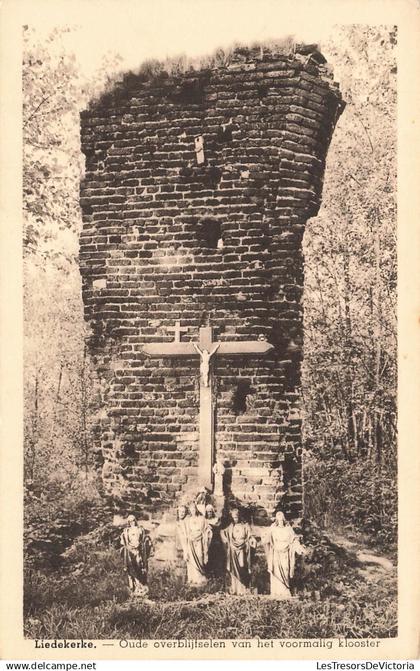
{"type": "Point", "coordinates": [219, 503]}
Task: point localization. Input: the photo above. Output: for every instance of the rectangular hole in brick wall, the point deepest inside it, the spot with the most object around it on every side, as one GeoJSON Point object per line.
{"type": "Point", "coordinates": [224, 133]}
{"type": "Point", "coordinates": [211, 232]}
{"type": "Point", "coordinates": [243, 390]}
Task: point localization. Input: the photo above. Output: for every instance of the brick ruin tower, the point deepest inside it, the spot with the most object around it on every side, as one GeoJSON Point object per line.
{"type": "Point", "coordinates": [197, 190]}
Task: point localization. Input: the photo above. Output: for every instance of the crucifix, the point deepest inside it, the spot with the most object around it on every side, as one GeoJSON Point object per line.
{"type": "Point", "coordinates": [207, 349]}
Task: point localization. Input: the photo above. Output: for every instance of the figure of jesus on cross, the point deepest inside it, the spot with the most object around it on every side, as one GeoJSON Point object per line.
{"type": "Point", "coordinates": [205, 362]}
{"type": "Point", "coordinates": [207, 349]}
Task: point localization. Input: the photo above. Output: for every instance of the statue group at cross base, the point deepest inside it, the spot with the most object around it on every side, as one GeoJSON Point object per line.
{"type": "Point", "coordinates": [204, 545]}
{"type": "Point", "coordinates": [201, 540]}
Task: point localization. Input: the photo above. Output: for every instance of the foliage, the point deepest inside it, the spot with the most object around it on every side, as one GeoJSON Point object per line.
{"type": "Point", "coordinates": [53, 520]}
{"type": "Point", "coordinates": [181, 64]}
{"type": "Point", "coordinates": [51, 158]}
{"type": "Point", "coordinates": [61, 483]}
{"type": "Point", "coordinates": [54, 92]}
{"type": "Point", "coordinates": [349, 372]}
{"type": "Point", "coordinates": [355, 497]}
{"type": "Point", "coordinates": [57, 376]}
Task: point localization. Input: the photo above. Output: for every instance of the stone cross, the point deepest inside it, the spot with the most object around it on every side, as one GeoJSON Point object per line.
{"type": "Point", "coordinates": [178, 330]}
{"type": "Point", "coordinates": [213, 349]}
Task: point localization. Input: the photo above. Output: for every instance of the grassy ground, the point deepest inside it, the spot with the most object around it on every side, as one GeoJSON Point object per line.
{"type": "Point", "coordinates": [87, 598]}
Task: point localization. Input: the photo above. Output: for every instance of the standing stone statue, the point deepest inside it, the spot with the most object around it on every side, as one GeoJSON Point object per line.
{"type": "Point", "coordinates": [211, 517]}
{"type": "Point", "coordinates": [198, 536]}
{"type": "Point", "coordinates": [205, 362]}
{"type": "Point", "coordinates": [136, 549]}
{"type": "Point", "coordinates": [218, 471]}
{"type": "Point", "coordinates": [282, 546]}
{"type": "Point", "coordinates": [238, 542]}
{"type": "Point", "coordinates": [216, 550]}
{"type": "Point", "coordinates": [202, 499]}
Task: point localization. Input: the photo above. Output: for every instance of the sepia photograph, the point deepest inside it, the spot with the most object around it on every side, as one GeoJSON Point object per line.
{"type": "Point", "coordinates": [210, 333]}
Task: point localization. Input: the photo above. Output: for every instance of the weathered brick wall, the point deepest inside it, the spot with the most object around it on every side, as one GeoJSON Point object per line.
{"type": "Point", "coordinates": [148, 259]}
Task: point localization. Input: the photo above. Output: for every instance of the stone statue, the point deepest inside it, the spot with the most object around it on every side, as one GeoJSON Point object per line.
{"type": "Point", "coordinates": [136, 549]}
{"type": "Point", "coordinates": [205, 362]}
{"type": "Point", "coordinates": [238, 542]}
{"type": "Point", "coordinates": [202, 499]}
{"type": "Point", "coordinates": [198, 535]}
{"type": "Point", "coordinates": [282, 545]}
{"type": "Point", "coordinates": [211, 517]}
{"type": "Point", "coordinates": [216, 551]}
{"type": "Point", "coordinates": [218, 471]}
